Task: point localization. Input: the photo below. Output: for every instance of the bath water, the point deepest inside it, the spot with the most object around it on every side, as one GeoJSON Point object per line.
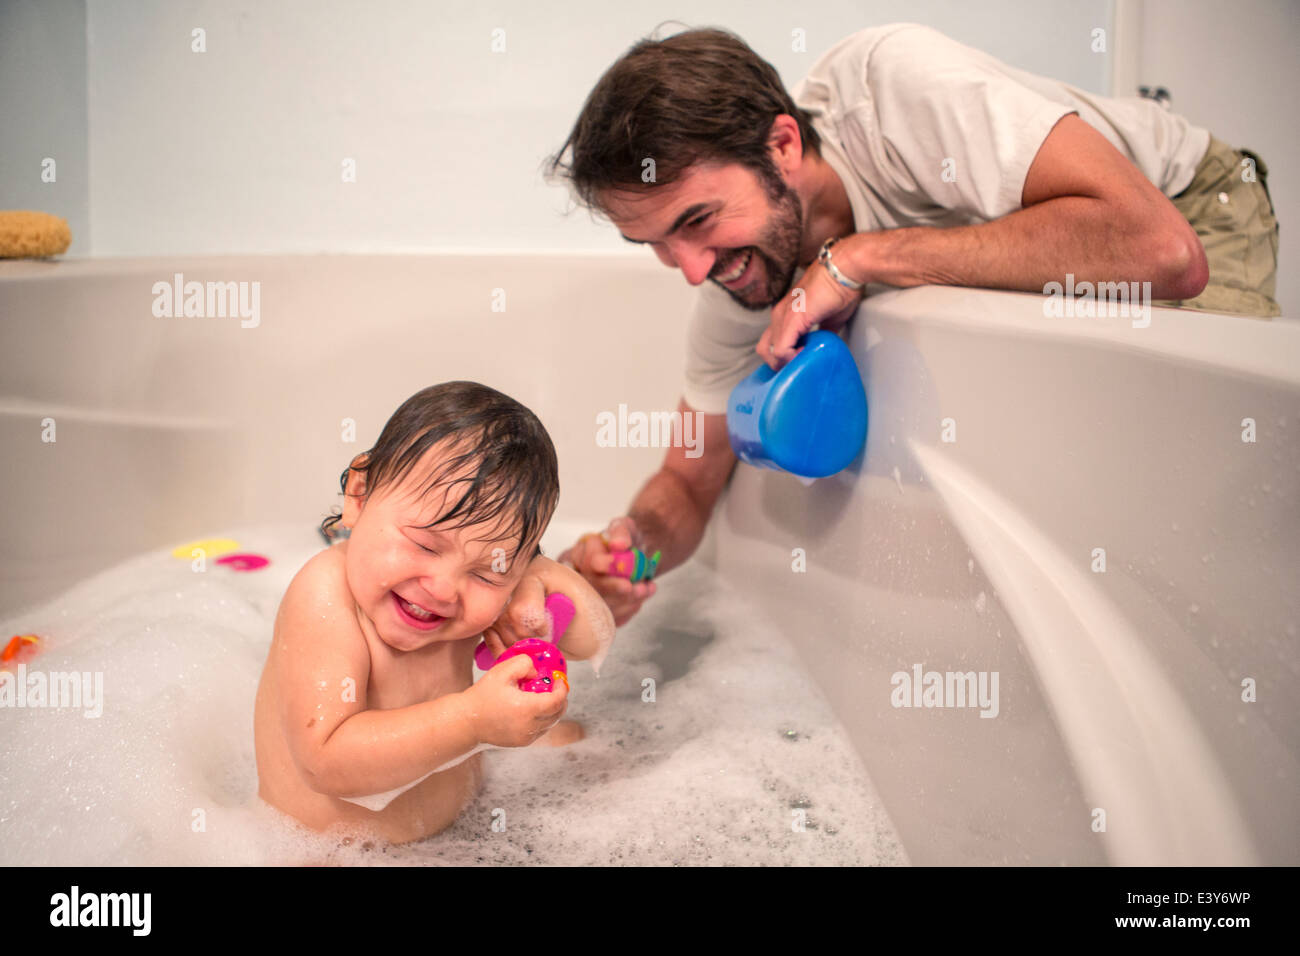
{"type": "Point", "coordinates": [707, 742]}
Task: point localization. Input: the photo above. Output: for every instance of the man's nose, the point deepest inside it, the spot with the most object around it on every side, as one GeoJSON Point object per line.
{"type": "Point", "coordinates": [696, 262]}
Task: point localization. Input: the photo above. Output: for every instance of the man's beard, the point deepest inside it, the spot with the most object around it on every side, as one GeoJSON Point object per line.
{"type": "Point", "coordinates": [781, 237]}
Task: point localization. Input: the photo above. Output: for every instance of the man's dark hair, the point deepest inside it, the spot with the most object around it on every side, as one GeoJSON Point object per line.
{"type": "Point", "coordinates": [498, 451]}
{"type": "Point", "coordinates": [699, 96]}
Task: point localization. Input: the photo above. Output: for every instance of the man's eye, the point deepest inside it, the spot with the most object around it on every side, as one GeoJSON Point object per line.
{"type": "Point", "coordinates": [701, 220]}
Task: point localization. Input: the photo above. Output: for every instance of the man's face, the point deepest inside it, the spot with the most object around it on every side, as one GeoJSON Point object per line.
{"type": "Point", "coordinates": [714, 221]}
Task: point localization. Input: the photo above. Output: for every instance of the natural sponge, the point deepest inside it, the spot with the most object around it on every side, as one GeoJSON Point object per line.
{"type": "Point", "coordinates": [26, 234]}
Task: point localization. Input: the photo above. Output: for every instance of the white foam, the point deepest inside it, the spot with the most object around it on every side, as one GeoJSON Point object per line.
{"type": "Point", "coordinates": [167, 775]}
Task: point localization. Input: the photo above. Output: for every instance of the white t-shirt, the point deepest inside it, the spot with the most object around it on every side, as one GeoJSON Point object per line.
{"type": "Point", "coordinates": [891, 104]}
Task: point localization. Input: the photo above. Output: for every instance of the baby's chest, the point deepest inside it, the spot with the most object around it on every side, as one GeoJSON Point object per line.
{"type": "Point", "coordinates": [401, 683]}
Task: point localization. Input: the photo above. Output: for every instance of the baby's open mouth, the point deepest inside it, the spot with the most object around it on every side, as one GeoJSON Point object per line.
{"type": "Point", "coordinates": [415, 615]}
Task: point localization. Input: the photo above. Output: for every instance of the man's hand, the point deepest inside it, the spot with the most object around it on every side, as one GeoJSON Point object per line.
{"type": "Point", "coordinates": [591, 557]}
{"type": "Point", "coordinates": [822, 302]}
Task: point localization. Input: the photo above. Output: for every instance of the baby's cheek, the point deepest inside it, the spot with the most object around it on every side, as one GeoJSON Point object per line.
{"type": "Point", "coordinates": [370, 573]}
{"type": "Point", "coordinates": [482, 611]}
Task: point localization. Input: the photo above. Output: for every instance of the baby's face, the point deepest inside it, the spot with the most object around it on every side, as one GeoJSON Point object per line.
{"type": "Point", "coordinates": [425, 585]}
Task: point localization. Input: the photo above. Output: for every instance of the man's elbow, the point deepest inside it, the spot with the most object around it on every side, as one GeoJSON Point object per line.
{"type": "Point", "coordinates": [1180, 268]}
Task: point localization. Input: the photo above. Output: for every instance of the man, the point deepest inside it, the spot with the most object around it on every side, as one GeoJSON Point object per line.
{"type": "Point", "coordinates": [927, 162]}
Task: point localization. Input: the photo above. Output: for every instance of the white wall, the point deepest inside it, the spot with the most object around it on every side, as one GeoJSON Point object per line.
{"type": "Point", "coordinates": [156, 418]}
{"type": "Point", "coordinates": [239, 149]}
{"type": "Point", "coordinates": [43, 111]}
{"type": "Point", "coordinates": [1233, 68]}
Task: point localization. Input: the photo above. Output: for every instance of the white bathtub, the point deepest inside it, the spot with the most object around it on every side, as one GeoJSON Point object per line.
{"type": "Point", "coordinates": [162, 423]}
{"type": "Point", "coordinates": [1118, 691]}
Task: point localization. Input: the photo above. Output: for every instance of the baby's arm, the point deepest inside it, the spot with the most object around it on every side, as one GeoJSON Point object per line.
{"type": "Point", "coordinates": [592, 629]}
{"type": "Point", "coordinates": [344, 749]}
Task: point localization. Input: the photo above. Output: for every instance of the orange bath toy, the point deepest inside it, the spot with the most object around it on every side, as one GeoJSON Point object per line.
{"type": "Point", "coordinates": [24, 644]}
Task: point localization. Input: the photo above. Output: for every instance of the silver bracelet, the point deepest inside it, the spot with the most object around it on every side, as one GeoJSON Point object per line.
{"type": "Point", "coordinates": [824, 257]}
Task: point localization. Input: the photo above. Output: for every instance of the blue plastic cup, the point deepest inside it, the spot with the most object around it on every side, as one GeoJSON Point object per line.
{"type": "Point", "coordinates": [809, 419]}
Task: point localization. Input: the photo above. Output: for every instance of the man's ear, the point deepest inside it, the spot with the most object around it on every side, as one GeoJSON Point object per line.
{"type": "Point", "coordinates": [355, 490]}
{"type": "Point", "coordinates": [785, 144]}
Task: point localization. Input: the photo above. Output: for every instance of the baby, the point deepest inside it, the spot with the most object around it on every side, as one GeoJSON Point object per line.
{"type": "Point", "coordinates": [367, 715]}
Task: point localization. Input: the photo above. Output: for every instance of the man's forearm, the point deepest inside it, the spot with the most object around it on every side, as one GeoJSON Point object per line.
{"type": "Point", "coordinates": [668, 519]}
{"type": "Point", "coordinates": [1030, 248]}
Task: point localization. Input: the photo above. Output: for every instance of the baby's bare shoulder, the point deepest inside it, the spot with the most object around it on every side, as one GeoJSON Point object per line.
{"type": "Point", "coordinates": [319, 593]}
{"type": "Point", "coordinates": [325, 570]}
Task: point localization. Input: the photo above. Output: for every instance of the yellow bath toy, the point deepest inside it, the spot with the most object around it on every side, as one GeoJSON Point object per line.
{"type": "Point", "coordinates": [211, 547]}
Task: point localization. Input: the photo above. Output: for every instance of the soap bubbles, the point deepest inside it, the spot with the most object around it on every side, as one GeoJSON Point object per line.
{"type": "Point", "coordinates": [705, 771]}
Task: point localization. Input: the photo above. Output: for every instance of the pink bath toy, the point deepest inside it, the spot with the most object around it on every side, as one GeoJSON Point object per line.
{"type": "Point", "coordinates": [244, 562]}
{"type": "Point", "coordinates": [547, 659]}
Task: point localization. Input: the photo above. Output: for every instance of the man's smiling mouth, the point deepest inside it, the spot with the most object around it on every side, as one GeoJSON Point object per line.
{"type": "Point", "coordinates": [737, 269]}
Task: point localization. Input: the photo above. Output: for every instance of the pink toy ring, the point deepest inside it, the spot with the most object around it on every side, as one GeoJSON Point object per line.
{"type": "Point", "coordinates": [547, 659]}
{"type": "Point", "coordinates": [244, 561]}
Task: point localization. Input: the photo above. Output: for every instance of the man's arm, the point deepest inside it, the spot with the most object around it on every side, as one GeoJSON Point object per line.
{"type": "Point", "coordinates": [673, 508]}
{"type": "Point", "coordinates": [1086, 210]}
{"type": "Point", "coordinates": [669, 514]}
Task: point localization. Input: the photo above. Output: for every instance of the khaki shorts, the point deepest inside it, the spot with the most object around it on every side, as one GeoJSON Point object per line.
{"type": "Point", "coordinates": [1234, 218]}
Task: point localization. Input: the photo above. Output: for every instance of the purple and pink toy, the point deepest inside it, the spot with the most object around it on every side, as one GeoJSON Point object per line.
{"type": "Point", "coordinates": [547, 659]}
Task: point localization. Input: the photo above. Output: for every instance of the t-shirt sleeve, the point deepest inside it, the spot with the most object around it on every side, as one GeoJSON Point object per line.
{"type": "Point", "coordinates": [945, 121]}
{"type": "Point", "coordinates": [720, 342]}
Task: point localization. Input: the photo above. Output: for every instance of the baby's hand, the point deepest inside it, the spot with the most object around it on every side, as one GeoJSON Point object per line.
{"type": "Point", "coordinates": [504, 715]}
{"type": "Point", "coordinates": [524, 616]}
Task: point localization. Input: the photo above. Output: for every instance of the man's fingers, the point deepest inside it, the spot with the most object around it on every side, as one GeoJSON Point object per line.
{"type": "Point", "coordinates": [787, 335]}
{"type": "Point", "coordinates": [592, 556]}
{"type": "Point", "coordinates": [585, 551]}
{"type": "Point", "coordinates": [621, 533]}
{"type": "Point", "coordinates": [624, 613]}
{"type": "Point", "coordinates": [612, 586]}
{"type": "Point", "coordinates": [598, 560]}
{"type": "Point", "coordinates": [623, 597]}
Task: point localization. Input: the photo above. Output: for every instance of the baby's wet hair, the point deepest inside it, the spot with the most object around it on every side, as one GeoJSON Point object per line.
{"type": "Point", "coordinates": [499, 449]}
